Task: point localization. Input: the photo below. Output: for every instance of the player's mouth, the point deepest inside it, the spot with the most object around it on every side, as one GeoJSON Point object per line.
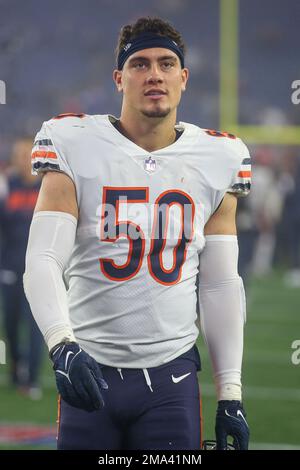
{"type": "Point", "coordinates": [155, 94]}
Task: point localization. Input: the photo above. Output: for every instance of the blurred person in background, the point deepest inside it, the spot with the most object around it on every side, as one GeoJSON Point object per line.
{"type": "Point", "coordinates": [267, 202]}
{"type": "Point", "coordinates": [290, 227]}
{"type": "Point", "coordinates": [18, 195]}
{"type": "Point", "coordinates": [259, 216]}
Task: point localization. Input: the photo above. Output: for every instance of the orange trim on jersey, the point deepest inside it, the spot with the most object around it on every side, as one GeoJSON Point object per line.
{"type": "Point", "coordinates": [58, 416]}
{"type": "Point", "coordinates": [44, 154]}
{"type": "Point", "coordinates": [244, 174]}
{"type": "Point", "coordinates": [164, 237]}
{"type": "Point", "coordinates": [215, 133]}
{"type": "Point", "coordinates": [117, 224]}
{"type": "Point", "coordinates": [122, 266]}
{"type": "Point", "coordinates": [64, 115]}
{"type": "Point", "coordinates": [175, 203]}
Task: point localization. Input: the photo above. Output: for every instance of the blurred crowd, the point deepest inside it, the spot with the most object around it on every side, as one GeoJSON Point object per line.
{"type": "Point", "coordinates": [18, 196]}
{"type": "Point", "coordinates": [269, 218]}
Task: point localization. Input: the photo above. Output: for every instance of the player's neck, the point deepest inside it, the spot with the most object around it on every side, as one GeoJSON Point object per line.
{"type": "Point", "coordinates": [149, 133]}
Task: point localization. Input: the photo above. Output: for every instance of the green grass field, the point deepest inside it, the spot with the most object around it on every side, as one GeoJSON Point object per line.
{"type": "Point", "coordinates": [271, 381]}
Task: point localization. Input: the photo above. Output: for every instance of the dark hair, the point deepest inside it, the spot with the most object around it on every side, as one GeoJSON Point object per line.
{"type": "Point", "coordinates": [149, 25]}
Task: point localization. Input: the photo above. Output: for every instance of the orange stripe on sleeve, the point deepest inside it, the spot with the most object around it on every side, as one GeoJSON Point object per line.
{"type": "Point", "coordinates": [44, 154]}
{"type": "Point", "coordinates": [244, 174]}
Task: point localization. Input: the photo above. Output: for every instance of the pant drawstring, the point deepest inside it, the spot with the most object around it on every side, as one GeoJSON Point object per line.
{"type": "Point", "coordinates": [147, 377]}
{"type": "Point", "coordinates": [146, 374]}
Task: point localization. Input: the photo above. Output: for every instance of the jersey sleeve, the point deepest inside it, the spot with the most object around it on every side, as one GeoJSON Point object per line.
{"type": "Point", "coordinates": [47, 154]}
{"type": "Point", "coordinates": [241, 181]}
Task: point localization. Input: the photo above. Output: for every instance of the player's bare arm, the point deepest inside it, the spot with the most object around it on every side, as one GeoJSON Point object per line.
{"type": "Point", "coordinates": [222, 222]}
{"type": "Point", "coordinates": [57, 193]}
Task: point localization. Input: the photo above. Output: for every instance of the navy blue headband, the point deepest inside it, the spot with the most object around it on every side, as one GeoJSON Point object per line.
{"type": "Point", "coordinates": [147, 41]}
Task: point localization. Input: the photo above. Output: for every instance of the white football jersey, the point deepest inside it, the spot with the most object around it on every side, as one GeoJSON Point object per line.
{"type": "Point", "coordinates": [131, 277]}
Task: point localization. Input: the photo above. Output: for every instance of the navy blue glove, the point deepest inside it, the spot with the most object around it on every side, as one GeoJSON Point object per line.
{"type": "Point", "coordinates": [79, 378]}
{"type": "Point", "coordinates": [231, 421]}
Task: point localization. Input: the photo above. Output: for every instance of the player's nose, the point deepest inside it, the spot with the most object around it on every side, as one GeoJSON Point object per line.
{"type": "Point", "coordinates": [154, 75]}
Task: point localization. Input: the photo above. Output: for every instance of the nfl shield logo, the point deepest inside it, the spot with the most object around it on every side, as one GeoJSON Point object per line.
{"type": "Point", "coordinates": [150, 164]}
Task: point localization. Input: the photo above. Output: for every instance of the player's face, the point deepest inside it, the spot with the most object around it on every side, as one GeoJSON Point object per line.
{"type": "Point", "coordinates": [152, 81]}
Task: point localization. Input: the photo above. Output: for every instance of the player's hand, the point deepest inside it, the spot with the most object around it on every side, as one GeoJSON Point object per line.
{"type": "Point", "coordinates": [231, 421]}
{"type": "Point", "coordinates": [79, 378]}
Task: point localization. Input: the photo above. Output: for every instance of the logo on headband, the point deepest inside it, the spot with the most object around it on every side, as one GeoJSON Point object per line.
{"type": "Point", "coordinates": [128, 46]}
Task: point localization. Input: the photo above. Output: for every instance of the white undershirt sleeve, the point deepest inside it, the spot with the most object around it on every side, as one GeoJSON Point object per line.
{"type": "Point", "coordinates": [223, 312]}
{"type": "Point", "coordinates": [50, 244]}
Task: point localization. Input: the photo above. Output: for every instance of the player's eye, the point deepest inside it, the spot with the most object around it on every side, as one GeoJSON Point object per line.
{"type": "Point", "coordinates": [167, 65]}
{"type": "Point", "coordinates": [139, 65]}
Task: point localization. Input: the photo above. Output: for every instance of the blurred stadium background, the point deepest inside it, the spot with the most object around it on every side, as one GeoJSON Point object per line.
{"type": "Point", "coordinates": [58, 56]}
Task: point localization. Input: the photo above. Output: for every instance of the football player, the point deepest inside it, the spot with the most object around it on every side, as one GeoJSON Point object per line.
{"type": "Point", "coordinates": [127, 206]}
